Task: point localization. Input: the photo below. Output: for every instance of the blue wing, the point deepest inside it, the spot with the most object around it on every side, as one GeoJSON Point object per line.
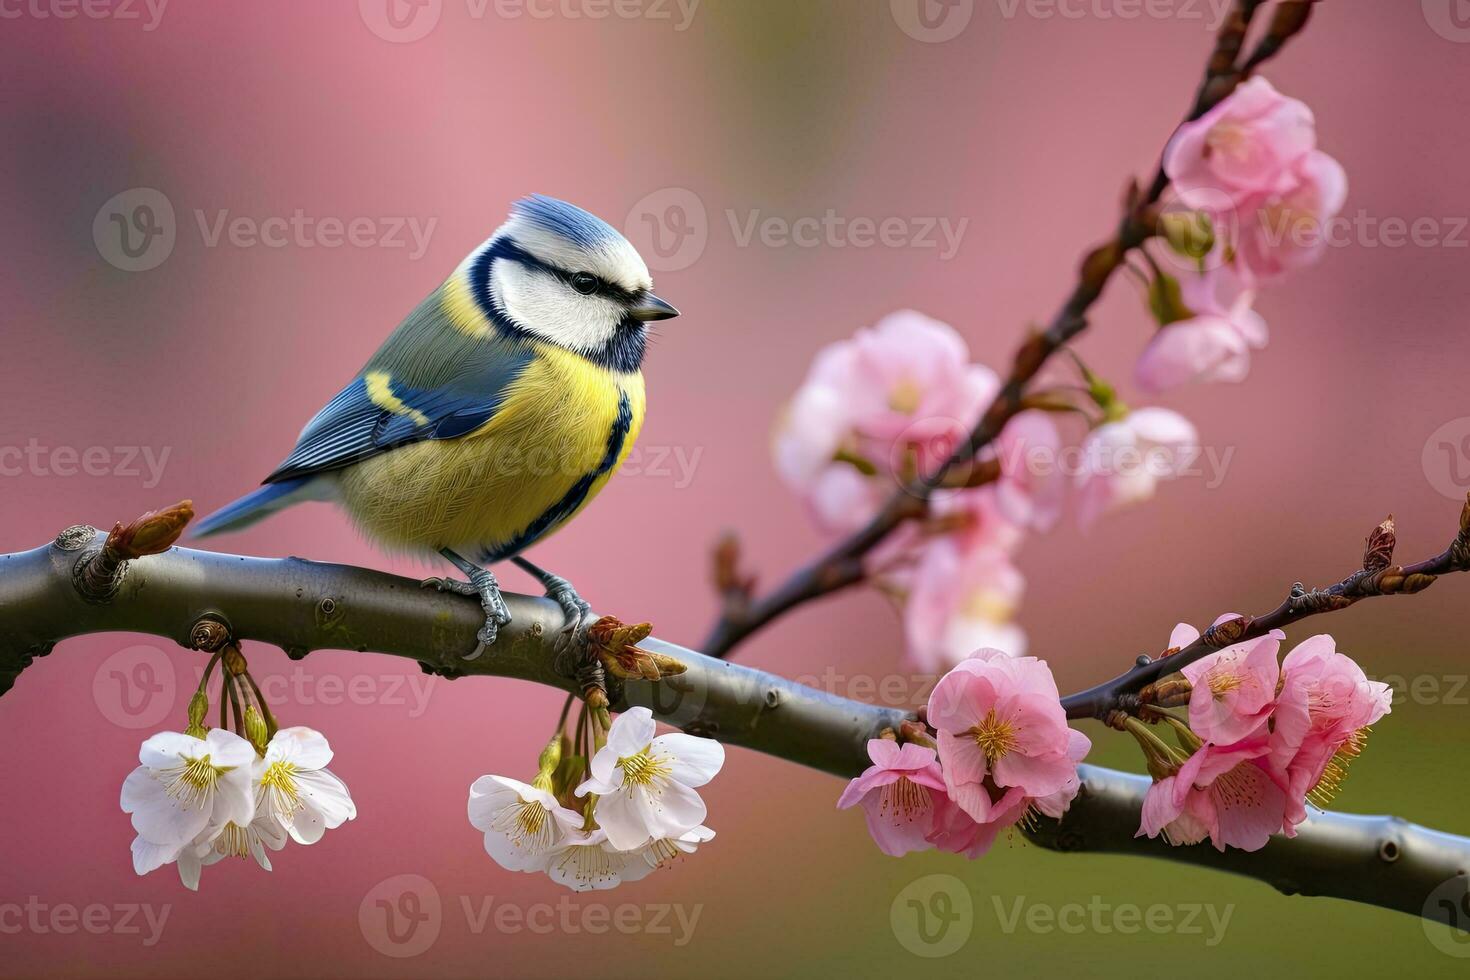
{"type": "Point", "coordinates": [378, 412]}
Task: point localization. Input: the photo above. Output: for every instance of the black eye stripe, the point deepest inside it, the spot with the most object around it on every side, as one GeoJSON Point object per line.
{"type": "Point", "coordinates": [506, 248]}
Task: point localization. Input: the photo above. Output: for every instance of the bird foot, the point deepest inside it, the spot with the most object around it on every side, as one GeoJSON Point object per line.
{"type": "Point", "coordinates": [575, 611]}
{"type": "Point", "coordinates": [482, 585]}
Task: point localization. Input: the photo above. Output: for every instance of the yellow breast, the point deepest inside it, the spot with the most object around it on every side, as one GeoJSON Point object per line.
{"type": "Point", "coordinates": [563, 429]}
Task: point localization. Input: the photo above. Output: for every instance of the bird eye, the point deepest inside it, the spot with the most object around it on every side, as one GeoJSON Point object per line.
{"type": "Point", "coordinates": [584, 283]}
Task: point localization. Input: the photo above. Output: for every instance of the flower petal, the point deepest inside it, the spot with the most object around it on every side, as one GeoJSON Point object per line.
{"type": "Point", "coordinates": [631, 732]}
{"type": "Point", "coordinates": [695, 760]}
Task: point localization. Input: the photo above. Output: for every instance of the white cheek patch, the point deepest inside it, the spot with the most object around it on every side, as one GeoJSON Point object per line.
{"type": "Point", "coordinates": [541, 304]}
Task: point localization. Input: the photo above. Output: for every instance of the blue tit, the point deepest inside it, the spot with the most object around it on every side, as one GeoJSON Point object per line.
{"type": "Point", "coordinates": [494, 413]}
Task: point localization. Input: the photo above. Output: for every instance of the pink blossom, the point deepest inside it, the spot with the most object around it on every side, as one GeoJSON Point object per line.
{"type": "Point", "coordinates": [976, 519]}
{"type": "Point", "coordinates": [1214, 344]}
{"type": "Point", "coordinates": [1235, 689]}
{"type": "Point", "coordinates": [956, 832]}
{"type": "Point", "coordinates": [1030, 489]}
{"type": "Point", "coordinates": [1001, 726]}
{"type": "Point", "coordinates": [1227, 794]}
{"type": "Point", "coordinates": [900, 794]}
{"type": "Point", "coordinates": [841, 499]}
{"type": "Point", "coordinates": [1245, 145]}
{"type": "Point", "coordinates": [1286, 229]}
{"type": "Point", "coordinates": [1124, 460]}
{"type": "Point", "coordinates": [961, 599]}
{"type": "Point", "coordinates": [1325, 706]}
{"type": "Point", "coordinates": [902, 389]}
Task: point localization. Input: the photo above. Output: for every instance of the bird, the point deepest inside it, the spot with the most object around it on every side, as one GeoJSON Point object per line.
{"type": "Point", "coordinates": [494, 413]}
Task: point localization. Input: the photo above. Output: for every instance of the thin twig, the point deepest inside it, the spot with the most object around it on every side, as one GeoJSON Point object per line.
{"type": "Point", "coordinates": [1377, 577]}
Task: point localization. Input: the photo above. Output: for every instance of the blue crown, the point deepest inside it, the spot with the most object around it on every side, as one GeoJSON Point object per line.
{"type": "Point", "coordinates": [565, 220]}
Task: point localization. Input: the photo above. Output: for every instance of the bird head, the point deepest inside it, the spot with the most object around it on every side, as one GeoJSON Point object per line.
{"type": "Point", "coordinates": [557, 273]}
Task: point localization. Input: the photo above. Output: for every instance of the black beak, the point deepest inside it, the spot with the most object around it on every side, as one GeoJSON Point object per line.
{"type": "Point", "coordinates": [650, 307]}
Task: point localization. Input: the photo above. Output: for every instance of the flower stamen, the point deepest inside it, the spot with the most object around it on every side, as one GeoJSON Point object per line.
{"type": "Point", "coordinates": [904, 799]}
{"type": "Point", "coordinates": [193, 782]}
{"type": "Point", "coordinates": [994, 736]}
{"type": "Point", "coordinates": [279, 784]}
{"type": "Point", "coordinates": [643, 769]}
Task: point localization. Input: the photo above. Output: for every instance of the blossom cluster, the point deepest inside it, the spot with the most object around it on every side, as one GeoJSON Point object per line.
{"type": "Point", "coordinates": [893, 403]}
{"type": "Point", "coordinates": [890, 406]}
{"type": "Point", "coordinates": [1255, 194]}
{"type": "Point", "coordinates": [1262, 740]}
{"type": "Point", "coordinates": [1002, 752]}
{"type": "Point", "coordinates": [198, 798]}
{"type": "Point", "coordinates": [640, 810]}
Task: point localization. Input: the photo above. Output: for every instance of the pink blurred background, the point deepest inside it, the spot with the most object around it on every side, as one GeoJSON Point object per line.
{"type": "Point", "coordinates": [1025, 123]}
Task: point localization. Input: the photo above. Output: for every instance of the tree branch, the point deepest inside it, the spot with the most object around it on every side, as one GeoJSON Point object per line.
{"type": "Point", "coordinates": [302, 606]}
{"type": "Point", "coordinates": [843, 565]}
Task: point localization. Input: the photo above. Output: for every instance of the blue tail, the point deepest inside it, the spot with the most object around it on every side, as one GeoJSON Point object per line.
{"type": "Point", "coordinates": [258, 505]}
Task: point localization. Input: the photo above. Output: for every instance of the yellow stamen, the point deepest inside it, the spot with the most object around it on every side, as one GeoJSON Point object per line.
{"type": "Point", "coordinates": [643, 769]}
{"type": "Point", "coordinates": [587, 863]}
{"type": "Point", "coordinates": [906, 396]}
{"type": "Point", "coordinates": [1336, 770]}
{"type": "Point", "coordinates": [279, 783]}
{"type": "Point", "coordinates": [1229, 138]}
{"type": "Point", "coordinates": [994, 736]}
{"type": "Point", "coordinates": [233, 841]}
{"type": "Point", "coordinates": [526, 824]}
{"type": "Point", "coordinates": [193, 782]}
{"type": "Point", "coordinates": [988, 605]}
{"type": "Point", "coordinates": [665, 852]}
{"type": "Point", "coordinates": [1222, 682]}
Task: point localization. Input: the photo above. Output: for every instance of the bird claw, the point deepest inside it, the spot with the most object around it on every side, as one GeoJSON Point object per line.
{"type": "Point", "coordinates": [575, 611]}
{"type": "Point", "coordinates": [453, 585]}
{"type": "Point", "coordinates": [483, 586]}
